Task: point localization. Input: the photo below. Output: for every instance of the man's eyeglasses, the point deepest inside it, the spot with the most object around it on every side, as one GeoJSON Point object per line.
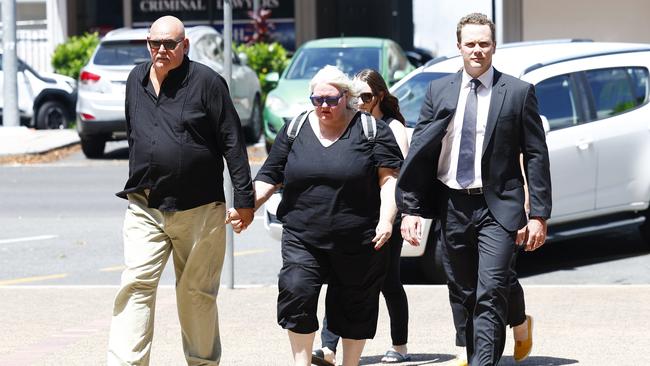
{"type": "Point", "coordinates": [366, 97]}
{"type": "Point", "coordinates": [170, 44]}
{"type": "Point", "coordinates": [317, 101]}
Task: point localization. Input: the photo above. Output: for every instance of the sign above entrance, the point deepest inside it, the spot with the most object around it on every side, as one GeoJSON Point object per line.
{"type": "Point", "coordinates": [210, 12]}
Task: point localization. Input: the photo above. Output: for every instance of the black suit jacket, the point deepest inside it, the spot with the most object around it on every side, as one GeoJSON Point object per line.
{"type": "Point", "coordinates": [513, 127]}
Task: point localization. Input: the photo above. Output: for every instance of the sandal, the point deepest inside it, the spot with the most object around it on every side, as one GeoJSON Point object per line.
{"type": "Point", "coordinates": [394, 357]}
{"type": "Point", "coordinates": [318, 358]}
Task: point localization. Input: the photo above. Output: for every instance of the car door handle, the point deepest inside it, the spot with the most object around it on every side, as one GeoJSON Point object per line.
{"type": "Point", "coordinates": [583, 144]}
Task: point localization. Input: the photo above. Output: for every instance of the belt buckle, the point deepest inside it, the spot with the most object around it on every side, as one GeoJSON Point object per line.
{"type": "Point", "coordinates": [474, 191]}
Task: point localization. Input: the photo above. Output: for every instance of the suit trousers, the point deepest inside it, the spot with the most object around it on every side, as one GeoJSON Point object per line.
{"type": "Point", "coordinates": [516, 304]}
{"type": "Point", "coordinates": [479, 252]}
{"type": "Point", "coordinates": [196, 240]}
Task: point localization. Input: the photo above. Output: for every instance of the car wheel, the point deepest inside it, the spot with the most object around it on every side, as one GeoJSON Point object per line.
{"type": "Point", "coordinates": [430, 264]}
{"type": "Point", "coordinates": [51, 115]}
{"type": "Point", "coordinates": [93, 146]}
{"type": "Point", "coordinates": [254, 129]}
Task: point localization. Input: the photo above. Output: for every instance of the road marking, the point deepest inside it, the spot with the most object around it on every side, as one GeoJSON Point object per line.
{"type": "Point", "coordinates": [237, 254]}
{"type": "Point", "coordinates": [33, 279]}
{"type": "Point", "coordinates": [113, 269]}
{"type": "Point", "coordinates": [28, 238]}
{"type": "Point", "coordinates": [252, 251]}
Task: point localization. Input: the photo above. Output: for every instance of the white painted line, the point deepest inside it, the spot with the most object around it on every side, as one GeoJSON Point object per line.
{"type": "Point", "coordinates": [28, 238]}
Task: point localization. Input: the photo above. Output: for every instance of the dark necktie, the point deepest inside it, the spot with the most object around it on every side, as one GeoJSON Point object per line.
{"type": "Point", "coordinates": [465, 169]}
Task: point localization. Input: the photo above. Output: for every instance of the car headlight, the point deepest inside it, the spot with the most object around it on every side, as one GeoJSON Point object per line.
{"type": "Point", "coordinates": [275, 103]}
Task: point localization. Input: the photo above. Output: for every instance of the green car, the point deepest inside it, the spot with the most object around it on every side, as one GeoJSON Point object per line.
{"type": "Point", "coordinates": [350, 54]}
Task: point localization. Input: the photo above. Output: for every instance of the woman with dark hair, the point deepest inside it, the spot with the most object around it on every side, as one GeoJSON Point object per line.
{"type": "Point", "coordinates": [375, 99]}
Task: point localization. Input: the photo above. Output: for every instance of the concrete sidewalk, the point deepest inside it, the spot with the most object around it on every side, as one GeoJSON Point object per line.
{"type": "Point", "coordinates": [23, 140]}
{"type": "Point", "coordinates": [582, 325]}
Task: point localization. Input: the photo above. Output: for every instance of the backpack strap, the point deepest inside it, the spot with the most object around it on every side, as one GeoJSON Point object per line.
{"type": "Point", "coordinates": [369, 124]}
{"type": "Point", "coordinates": [295, 125]}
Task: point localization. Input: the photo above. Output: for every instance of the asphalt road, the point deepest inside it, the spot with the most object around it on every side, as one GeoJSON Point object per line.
{"type": "Point", "coordinates": [62, 226]}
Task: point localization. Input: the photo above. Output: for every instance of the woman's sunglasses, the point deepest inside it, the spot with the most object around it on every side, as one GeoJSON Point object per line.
{"type": "Point", "coordinates": [317, 101]}
{"type": "Point", "coordinates": [170, 44]}
{"type": "Point", "coordinates": [366, 97]}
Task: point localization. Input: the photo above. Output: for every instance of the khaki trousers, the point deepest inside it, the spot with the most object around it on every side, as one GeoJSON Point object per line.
{"type": "Point", "coordinates": [196, 239]}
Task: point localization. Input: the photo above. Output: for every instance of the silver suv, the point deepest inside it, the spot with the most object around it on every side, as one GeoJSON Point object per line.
{"type": "Point", "coordinates": [593, 98]}
{"type": "Point", "coordinates": [102, 82]}
{"type": "Point", "coordinates": [45, 100]}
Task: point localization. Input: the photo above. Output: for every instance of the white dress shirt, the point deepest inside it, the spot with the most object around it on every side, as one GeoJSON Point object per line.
{"type": "Point", "coordinates": [448, 163]}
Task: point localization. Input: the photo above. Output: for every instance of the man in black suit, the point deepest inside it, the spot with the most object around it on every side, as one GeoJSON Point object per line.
{"type": "Point", "coordinates": [463, 168]}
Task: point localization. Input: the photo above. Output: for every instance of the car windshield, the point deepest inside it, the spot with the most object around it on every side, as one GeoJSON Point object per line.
{"type": "Point", "coordinates": [115, 53]}
{"type": "Point", "coordinates": [349, 60]}
{"type": "Point", "coordinates": [411, 95]}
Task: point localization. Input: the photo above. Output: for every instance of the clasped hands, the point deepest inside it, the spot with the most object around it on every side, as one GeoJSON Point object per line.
{"type": "Point", "coordinates": [239, 218]}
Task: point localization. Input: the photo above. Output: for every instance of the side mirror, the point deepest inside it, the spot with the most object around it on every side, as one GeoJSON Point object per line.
{"type": "Point", "coordinates": [545, 124]}
{"type": "Point", "coordinates": [397, 76]}
{"type": "Point", "coordinates": [272, 78]}
{"type": "Point", "coordinates": [243, 59]}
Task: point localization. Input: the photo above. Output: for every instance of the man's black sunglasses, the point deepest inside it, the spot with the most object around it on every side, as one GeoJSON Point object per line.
{"type": "Point", "coordinates": [317, 101]}
{"type": "Point", "coordinates": [170, 44]}
{"type": "Point", "coordinates": [366, 97]}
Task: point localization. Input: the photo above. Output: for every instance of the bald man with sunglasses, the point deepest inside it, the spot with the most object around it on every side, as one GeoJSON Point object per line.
{"type": "Point", "coordinates": [181, 124]}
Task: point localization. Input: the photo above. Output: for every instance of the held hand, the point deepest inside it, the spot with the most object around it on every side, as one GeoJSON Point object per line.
{"type": "Point", "coordinates": [411, 229]}
{"type": "Point", "coordinates": [239, 218]}
{"type": "Point", "coordinates": [536, 233]}
{"type": "Point", "coordinates": [247, 215]}
{"type": "Point", "coordinates": [382, 234]}
{"type": "Point", "coordinates": [522, 235]}
{"type": "Point", "coordinates": [233, 218]}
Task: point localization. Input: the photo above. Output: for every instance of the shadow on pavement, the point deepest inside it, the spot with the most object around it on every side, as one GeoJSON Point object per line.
{"type": "Point", "coordinates": [562, 255]}
{"type": "Point", "coordinates": [119, 153]}
{"type": "Point", "coordinates": [538, 361]}
{"type": "Point", "coordinates": [568, 254]}
{"type": "Point", "coordinates": [416, 359]}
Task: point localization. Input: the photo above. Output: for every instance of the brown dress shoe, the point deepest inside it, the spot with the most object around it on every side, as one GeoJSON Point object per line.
{"type": "Point", "coordinates": [523, 348]}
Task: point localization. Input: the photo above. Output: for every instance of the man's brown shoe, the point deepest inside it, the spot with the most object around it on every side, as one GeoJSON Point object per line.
{"type": "Point", "coordinates": [523, 348]}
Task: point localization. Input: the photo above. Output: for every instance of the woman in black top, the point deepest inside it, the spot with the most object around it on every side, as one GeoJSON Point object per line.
{"type": "Point", "coordinates": [376, 99]}
{"type": "Point", "coordinates": [337, 208]}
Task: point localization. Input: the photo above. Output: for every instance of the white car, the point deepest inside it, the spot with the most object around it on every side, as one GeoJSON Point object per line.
{"type": "Point", "coordinates": [102, 82]}
{"type": "Point", "coordinates": [45, 100]}
{"type": "Point", "coordinates": [593, 98]}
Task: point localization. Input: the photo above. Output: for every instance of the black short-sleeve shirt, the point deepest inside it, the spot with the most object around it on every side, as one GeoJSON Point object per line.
{"type": "Point", "coordinates": [332, 189]}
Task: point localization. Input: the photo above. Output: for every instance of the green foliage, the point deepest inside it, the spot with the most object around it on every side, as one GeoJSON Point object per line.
{"type": "Point", "coordinates": [265, 58]}
{"type": "Point", "coordinates": [71, 56]}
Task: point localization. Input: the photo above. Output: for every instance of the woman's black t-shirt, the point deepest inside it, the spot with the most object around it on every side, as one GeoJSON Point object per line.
{"type": "Point", "coordinates": [330, 190]}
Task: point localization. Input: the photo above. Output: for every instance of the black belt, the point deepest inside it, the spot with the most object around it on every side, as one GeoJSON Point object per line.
{"type": "Point", "coordinates": [468, 191]}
